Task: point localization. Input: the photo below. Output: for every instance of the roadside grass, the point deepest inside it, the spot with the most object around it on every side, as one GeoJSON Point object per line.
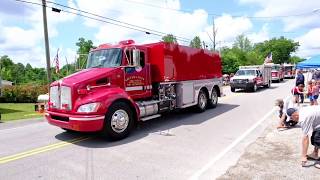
{"type": "Point", "coordinates": [14, 111]}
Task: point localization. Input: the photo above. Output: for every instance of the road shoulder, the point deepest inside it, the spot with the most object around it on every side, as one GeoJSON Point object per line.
{"type": "Point", "coordinates": [274, 155]}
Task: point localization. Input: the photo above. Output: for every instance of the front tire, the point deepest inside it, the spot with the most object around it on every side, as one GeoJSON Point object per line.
{"type": "Point", "coordinates": [254, 88]}
{"type": "Point", "coordinates": [202, 101]}
{"type": "Point", "coordinates": [118, 121]}
{"type": "Point", "coordinates": [233, 89]}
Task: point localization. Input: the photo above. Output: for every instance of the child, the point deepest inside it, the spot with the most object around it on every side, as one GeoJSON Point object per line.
{"type": "Point", "coordinates": [315, 92]}
{"type": "Point", "coordinates": [297, 92]}
{"type": "Point", "coordinates": [309, 93]}
{"type": "Point", "coordinates": [284, 120]}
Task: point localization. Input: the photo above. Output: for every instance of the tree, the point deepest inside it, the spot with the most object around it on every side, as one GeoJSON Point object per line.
{"type": "Point", "coordinates": [281, 49]}
{"type": "Point", "coordinates": [243, 43]}
{"type": "Point", "coordinates": [84, 47]}
{"type": "Point", "coordinates": [295, 59]}
{"type": "Point", "coordinates": [170, 39]}
{"type": "Point", "coordinates": [195, 42]}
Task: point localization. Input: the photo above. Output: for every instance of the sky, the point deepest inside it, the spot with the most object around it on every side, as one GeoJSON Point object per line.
{"type": "Point", "coordinates": [22, 39]}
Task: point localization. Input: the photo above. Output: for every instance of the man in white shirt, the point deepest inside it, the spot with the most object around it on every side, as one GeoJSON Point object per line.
{"type": "Point", "coordinates": [309, 120]}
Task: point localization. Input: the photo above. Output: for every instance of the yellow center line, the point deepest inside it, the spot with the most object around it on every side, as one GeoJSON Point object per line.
{"type": "Point", "coordinates": [14, 157]}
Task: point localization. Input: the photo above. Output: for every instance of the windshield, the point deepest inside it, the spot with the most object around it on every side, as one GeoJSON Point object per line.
{"type": "Point", "coordinates": [288, 68]}
{"type": "Point", "coordinates": [246, 72]}
{"type": "Point", "coordinates": [277, 68]}
{"type": "Point", "coordinates": [105, 58]}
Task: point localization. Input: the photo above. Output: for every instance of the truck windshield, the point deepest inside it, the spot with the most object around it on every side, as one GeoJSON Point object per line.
{"type": "Point", "coordinates": [277, 68]}
{"type": "Point", "coordinates": [104, 58]}
{"type": "Point", "coordinates": [246, 72]}
{"type": "Point", "coordinates": [288, 68]}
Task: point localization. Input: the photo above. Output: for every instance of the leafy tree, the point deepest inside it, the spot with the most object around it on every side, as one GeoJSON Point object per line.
{"type": "Point", "coordinates": [195, 42]}
{"type": "Point", "coordinates": [243, 43]}
{"type": "Point", "coordinates": [295, 59]}
{"type": "Point", "coordinates": [84, 47]}
{"type": "Point", "coordinates": [170, 39]}
{"type": "Point", "coordinates": [281, 49]}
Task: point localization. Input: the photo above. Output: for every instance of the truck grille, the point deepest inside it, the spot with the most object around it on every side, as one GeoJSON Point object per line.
{"type": "Point", "coordinates": [60, 97]}
{"type": "Point", "coordinates": [239, 80]}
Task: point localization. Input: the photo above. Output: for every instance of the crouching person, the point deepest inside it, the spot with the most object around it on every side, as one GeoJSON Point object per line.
{"type": "Point", "coordinates": [309, 120]}
{"type": "Point", "coordinates": [284, 120]}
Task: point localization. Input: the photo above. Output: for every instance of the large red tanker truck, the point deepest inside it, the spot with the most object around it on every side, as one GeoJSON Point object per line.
{"type": "Point", "coordinates": [126, 83]}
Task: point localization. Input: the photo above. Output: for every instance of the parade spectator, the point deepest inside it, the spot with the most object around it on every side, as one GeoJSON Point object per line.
{"type": "Point", "coordinates": [300, 80]}
{"type": "Point", "coordinates": [298, 92]}
{"type": "Point", "coordinates": [315, 92]}
{"type": "Point", "coordinates": [309, 120]}
{"type": "Point", "coordinates": [284, 120]}
{"type": "Point", "coordinates": [309, 92]}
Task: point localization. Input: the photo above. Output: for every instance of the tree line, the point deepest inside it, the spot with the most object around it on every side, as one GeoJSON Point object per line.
{"type": "Point", "coordinates": [242, 52]}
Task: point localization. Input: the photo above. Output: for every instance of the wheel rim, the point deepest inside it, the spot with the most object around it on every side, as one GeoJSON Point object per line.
{"type": "Point", "coordinates": [202, 100]}
{"type": "Point", "coordinates": [214, 97]}
{"type": "Point", "coordinates": [119, 121]}
{"type": "Point", "coordinates": [255, 87]}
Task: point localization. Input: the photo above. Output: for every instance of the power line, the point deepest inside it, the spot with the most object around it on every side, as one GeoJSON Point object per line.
{"type": "Point", "coordinates": [115, 22]}
{"type": "Point", "coordinates": [111, 19]}
{"type": "Point", "coordinates": [215, 14]}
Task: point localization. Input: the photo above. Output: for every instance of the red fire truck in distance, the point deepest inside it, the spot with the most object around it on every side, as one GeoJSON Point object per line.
{"type": "Point", "coordinates": [126, 83]}
{"type": "Point", "coordinates": [277, 72]}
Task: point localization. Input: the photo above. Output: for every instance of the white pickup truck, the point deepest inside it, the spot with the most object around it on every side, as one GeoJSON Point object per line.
{"type": "Point", "coordinates": [250, 78]}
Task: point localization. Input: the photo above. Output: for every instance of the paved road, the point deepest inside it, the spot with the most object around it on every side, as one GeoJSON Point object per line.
{"type": "Point", "coordinates": [183, 145]}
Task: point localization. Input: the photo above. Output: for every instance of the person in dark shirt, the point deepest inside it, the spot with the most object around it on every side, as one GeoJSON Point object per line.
{"type": "Point", "coordinates": [300, 80]}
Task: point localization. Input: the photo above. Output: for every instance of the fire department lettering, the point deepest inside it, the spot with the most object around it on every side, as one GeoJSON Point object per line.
{"type": "Point", "coordinates": [135, 81]}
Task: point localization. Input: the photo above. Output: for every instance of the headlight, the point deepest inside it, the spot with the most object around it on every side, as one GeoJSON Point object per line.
{"type": "Point", "coordinates": [91, 107]}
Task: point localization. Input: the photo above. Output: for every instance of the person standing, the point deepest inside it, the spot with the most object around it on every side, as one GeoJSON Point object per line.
{"type": "Point", "coordinates": [300, 80]}
{"type": "Point", "coordinates": [309, 120]}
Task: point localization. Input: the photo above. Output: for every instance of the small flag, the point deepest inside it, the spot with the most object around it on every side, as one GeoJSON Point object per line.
{"type": "Point", "coordinates": [268, 59]}
{"type": "Point", "coordinates": [56, 60]}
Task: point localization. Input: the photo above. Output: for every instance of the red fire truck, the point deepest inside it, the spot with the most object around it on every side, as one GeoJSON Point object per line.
{"type": "Point", "coordinates": [277, 72]}
{"type": "Point", "coordinates": [126, 83]}
{"type": "Point", "coordinates": [289, 71]}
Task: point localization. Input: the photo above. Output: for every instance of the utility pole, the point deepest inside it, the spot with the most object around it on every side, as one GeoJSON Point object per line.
{"type": "Point", "coordinates": [46, 39]}
{"type": "Point", "coordinates": [214, 34]}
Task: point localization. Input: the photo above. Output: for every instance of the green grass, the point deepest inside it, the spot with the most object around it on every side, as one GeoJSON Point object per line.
{"type": "Point", "coordinates": [14, 111]}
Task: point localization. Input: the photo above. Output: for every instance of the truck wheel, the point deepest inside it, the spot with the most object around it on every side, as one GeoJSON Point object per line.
{"type": "Point", "coordinates": [213, 101]}
{"type": "Point", "coordinates": [233, 89]}
{"type": "Point", "coordinates": [254, 88]}
{"type": "Point", "coordinates": [202, 101]}
{"type": "Point", "coordinates": [118, 121]}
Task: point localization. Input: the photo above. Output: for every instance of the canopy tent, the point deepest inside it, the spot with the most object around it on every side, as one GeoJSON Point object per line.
{"type": "Point", "coordinates": [312, 63]}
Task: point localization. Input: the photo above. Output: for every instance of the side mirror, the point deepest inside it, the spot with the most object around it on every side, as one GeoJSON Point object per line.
{"type": "Point", "coordinates": [136, 57]}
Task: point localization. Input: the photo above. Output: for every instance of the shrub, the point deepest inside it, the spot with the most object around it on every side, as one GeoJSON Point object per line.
{"type": "Point", "coordinates": [22, 93]}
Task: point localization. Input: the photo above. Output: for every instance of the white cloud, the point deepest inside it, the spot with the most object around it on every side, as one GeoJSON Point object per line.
{"type": "Point", "coordinates": [24, 43]}
{"type": "Point", "coordinates": [310, 43]}
{"type": "Point", "coordinates": [289, 7]}
{"type": "Point", "coordinates": [260, 36]}
{"type": "Point", "coordinates": [228, 28]}
{"type": "Point", "coordinates": [181, 24]}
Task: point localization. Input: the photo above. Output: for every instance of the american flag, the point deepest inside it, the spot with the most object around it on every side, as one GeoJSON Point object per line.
{"type": "Point", "coordinates": [268, 59]}
{"type": "Point", "coordinates": [56, 60]}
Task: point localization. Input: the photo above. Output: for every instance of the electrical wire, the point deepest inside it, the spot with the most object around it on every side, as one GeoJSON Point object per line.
{"type": "Point", "coordinates": [115, 22]}
{"type": "Point", "coordinates": [111, 19]}
{"type": "Point", "coordinates": [215, 14]}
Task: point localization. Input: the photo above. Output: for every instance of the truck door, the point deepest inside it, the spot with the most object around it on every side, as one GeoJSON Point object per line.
{"type": "Point", "coordinates": [137, 80]}
{"type": "Point", "coordinates": [259, 77]}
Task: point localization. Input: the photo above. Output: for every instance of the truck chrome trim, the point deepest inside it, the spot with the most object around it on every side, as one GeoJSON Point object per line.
{"type": "Point", "coordinates": [86, 118]}
{"type": "Point", "coordinates": [134, 88]}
